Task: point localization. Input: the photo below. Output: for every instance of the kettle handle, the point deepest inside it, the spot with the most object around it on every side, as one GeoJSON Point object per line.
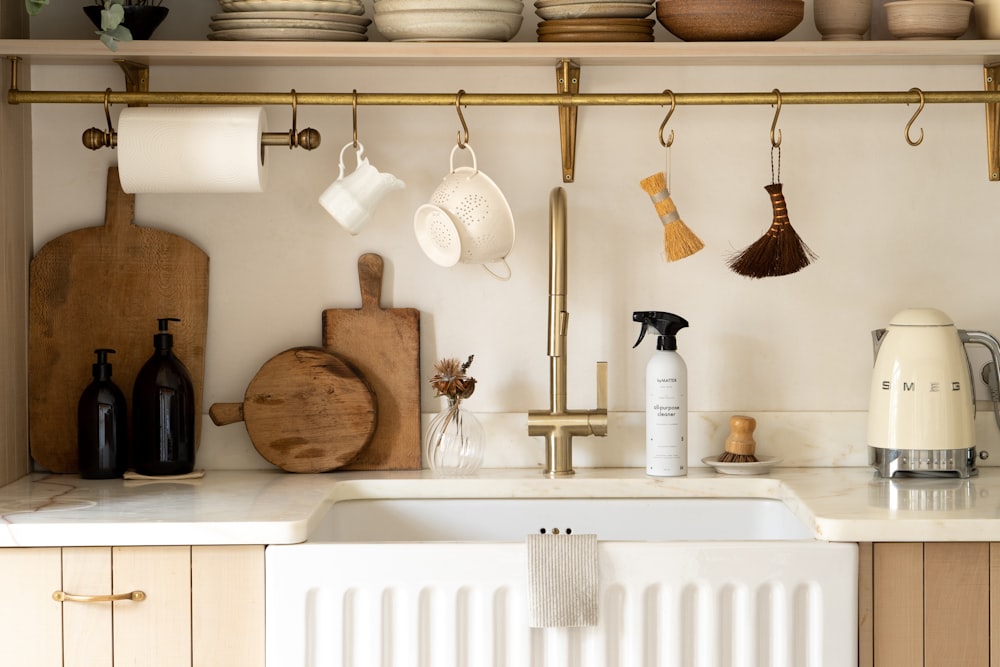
{"type": "Point", "coordinates": [990, 342]}
{"type": "Point", "coordinates": [878, 335]}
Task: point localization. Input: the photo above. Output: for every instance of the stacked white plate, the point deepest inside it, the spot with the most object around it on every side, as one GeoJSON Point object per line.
{"type": "Point", "coordinates": [594, 20]}
{"type": "Point", "coordinates": [448, 20]}
{"type": "Point", "coordinates": [290, 20]}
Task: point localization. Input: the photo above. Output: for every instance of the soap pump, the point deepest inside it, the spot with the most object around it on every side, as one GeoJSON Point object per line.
{"type": "Point", "coordinates": [666, 396]}
{"type": "Point", "coordinates": [163, 413]}
{"type": "Point", "coordinates": [102, 424]}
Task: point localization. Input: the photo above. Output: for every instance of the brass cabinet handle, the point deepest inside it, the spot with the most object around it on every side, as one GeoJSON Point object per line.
{"type": "Point", "coordinates": [63, 596]}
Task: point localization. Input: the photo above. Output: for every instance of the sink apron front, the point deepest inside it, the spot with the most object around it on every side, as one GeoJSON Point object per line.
{"type": "Point", "coordinates": [665, 604]}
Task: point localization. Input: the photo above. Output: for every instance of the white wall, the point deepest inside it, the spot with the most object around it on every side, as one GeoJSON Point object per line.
{"type": "Point", "coordinates": [894, 226]}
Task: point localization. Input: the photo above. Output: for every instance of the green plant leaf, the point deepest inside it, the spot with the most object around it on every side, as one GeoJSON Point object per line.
{"type": "Point", "coordinates": [35, 6]}
{"type": "Point", "coordinates": [120, 33]}
{"type": "Point", "coordinates": [109, 41]}
{"type": "Point", "coordinates": [112, 16]}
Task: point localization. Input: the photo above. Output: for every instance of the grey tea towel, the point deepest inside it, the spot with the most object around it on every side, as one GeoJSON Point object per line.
{"type": "Point", "coordinates": [562, 581]}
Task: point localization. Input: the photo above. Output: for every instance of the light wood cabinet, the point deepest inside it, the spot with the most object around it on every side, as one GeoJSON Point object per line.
{"type": "Point", "coordinates": [203, 606]}
{"type": "Point", "coordinates": [929, 604]}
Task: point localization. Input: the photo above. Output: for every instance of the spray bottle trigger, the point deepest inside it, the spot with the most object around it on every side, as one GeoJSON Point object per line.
{"type": "Point", "coordinates": [642, 333]}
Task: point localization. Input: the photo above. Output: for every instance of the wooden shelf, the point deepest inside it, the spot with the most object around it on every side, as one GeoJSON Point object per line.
{"type": "Point", "coordinates": [298, 54]}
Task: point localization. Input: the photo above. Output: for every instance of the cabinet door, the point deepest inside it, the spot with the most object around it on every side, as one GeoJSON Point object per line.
{"type": "Point", "coordinates": [227, 606]}
{"type": "Point", "coordinates": [157, 631]}
{"type": "Point", "coordinates": [30, 620]}
{"type": "Point", "coordinates": [87, 625]}
{"type": "Point", "coordinates": [930, 604]}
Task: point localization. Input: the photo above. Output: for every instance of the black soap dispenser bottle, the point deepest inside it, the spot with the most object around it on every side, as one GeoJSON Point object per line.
{"type": "Point", "coordinates": [102, 424]}
{"type": "Point", "coordinates": [163, 411]}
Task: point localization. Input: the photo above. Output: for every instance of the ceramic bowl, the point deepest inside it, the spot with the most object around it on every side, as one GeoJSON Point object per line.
{"type": "Point", "coordinates": [513, 6]}
{"type": "Point", "coordinates": [447, 25]}
{"type": "Point", "coordinates": [730, 20]}
{"type": "Point", "coordinates": [988, 18]}
{"type": "Point", "coordinates": [927, 19]}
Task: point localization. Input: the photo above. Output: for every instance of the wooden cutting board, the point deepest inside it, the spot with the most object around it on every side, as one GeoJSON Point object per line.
{"type": "Point", "coordinates": [306, 410]}
{"type": "Point", "coordinates": [384, 344]}
{"type": "Point", "coordinates": [106, 286]}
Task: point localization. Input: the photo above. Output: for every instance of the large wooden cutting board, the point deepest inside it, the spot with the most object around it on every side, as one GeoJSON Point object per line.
{"type": "Point", "coordinates": [106, 286]}
{"type": "Point", "coordinates": [384, 344]}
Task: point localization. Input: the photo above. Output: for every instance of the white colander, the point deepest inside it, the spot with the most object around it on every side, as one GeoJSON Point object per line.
{"type": "Point", "coordinates": [467, 220]}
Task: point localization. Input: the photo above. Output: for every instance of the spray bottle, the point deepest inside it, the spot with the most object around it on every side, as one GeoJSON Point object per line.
{"type": "Point", "coordinates": [666, 396]}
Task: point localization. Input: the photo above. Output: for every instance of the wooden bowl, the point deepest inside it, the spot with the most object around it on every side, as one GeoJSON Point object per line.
{"type": "Point", "coordinates": [927, 19]}
{"type": "Point", "coordinates": [730, 20]}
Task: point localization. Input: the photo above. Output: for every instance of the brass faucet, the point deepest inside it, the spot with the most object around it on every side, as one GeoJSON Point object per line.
{"type": "Point", "coordinates": [557, 424]}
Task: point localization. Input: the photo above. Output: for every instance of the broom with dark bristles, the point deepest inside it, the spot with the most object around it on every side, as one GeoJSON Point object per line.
{"type": "Point", "coordinates": [740, 445]}
{"type": "Point", "coordinates": [780, 251]}
{"type": "Point", "coordinates": [678, 239]}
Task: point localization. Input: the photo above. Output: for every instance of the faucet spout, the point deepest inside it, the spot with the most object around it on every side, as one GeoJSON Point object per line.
{"type": "Point", "coordinates": [558, 424]}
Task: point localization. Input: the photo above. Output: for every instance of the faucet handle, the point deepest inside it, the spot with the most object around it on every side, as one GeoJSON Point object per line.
{"type": "Point", "coordinates": [602, 385]}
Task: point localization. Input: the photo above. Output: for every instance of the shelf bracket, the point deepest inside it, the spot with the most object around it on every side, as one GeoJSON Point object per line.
{"type": "Point", "coordinates": [568, 83]}
{"type": "Point", "coordinates": [136, 77]}
{"type": "Point", "coordinates": [991, 77]}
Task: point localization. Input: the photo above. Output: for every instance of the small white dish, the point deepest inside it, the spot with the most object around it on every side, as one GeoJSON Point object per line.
{"type": "Point", "coordinates": [761, 467]}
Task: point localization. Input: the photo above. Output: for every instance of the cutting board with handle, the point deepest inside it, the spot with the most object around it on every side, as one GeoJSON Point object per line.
{"type": "Point", "coordinates": [306, 410]}
{"type": "Point", "coordinates": [384, 345]}
{"type": "Point", "coordinates": [105, 287]}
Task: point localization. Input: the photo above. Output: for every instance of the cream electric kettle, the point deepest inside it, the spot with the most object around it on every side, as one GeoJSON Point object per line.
{"type": "Point", "coordinates": [921, 413]}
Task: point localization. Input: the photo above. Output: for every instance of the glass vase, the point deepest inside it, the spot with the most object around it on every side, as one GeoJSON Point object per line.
{"type": "Point", "coordinates": [454, 442]}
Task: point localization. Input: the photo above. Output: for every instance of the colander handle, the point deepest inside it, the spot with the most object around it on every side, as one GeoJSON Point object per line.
{"type": "Point", "coordinates": [475, 166]}
{"type": "Point", "coordinates": [358, 156]}
{"type": "Point", "coordinates": [499, 276]}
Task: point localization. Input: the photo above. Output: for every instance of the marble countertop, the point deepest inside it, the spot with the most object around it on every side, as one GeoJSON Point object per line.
{"type": "Point", "coordinates": [272, 507]}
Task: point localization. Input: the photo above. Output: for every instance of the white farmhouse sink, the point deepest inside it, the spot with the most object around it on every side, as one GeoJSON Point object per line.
{"type": "Point", "coordinates": [442, 582]}
{"type": "Point", "coordinates": [511, 519]}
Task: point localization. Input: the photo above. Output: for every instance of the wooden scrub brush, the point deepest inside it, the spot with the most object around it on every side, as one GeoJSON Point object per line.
{"type": "Point", "coordinates": [678, 239]}
{"type": "Point", "coordinates": [740, 445]}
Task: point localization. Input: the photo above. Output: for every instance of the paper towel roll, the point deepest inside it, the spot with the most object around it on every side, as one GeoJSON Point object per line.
{"type": "Point", "coordinates": [191, 149]}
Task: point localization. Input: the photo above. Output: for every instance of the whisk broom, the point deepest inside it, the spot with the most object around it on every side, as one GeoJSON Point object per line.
{"type": "Point", "coordinates": [780, 251]}
{"type": "Point", "coordinates": [678, 239]}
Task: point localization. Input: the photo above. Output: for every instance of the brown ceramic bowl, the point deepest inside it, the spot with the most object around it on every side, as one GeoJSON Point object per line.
{"type": "Point", "coordinates": [729, 20]}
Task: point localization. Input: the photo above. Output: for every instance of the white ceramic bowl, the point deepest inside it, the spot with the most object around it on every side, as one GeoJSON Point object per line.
{"type": "Point", "coordinates": [928, 19]}
{"type": "Point", "coordinates": [452, 25]}
{"type": "Point", "coordinates": [988, 18]}
{"type": "Point", "coordinates": [512, 6]}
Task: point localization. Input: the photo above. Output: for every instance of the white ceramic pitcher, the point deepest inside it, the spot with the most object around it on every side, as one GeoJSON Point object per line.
{"type": "Point", "coordinates": [352, 199]}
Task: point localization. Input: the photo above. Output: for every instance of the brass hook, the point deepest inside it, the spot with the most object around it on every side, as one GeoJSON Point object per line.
{"type": "Point", "coordinates": [94, 138]}
{"type": "Point", "coordinates": [354, 115]}
{"type": "Point", "coordinates": [673, 106]}
{"type": "Point", "coordinates": [295, 114]}
{"type": "Point", "coordinates": [463, 134]}
{"type": "Point", "coordinates": [775, 143]}
{"type": "Point", "coordinates": [920, 107]}
{"type": "Point", "coordinates": [308, 138]}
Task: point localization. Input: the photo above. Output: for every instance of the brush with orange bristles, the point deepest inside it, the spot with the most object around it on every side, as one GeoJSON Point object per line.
{"type": "Point", "coordinates": [678, 239]}
{"type": "Point", "coordinates": [740, 445]}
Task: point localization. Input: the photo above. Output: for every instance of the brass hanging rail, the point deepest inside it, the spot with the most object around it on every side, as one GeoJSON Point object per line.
{"type": "Point", "coordinates": [502, 99]}
{"type": "Point", "coordinates": [567, 98]}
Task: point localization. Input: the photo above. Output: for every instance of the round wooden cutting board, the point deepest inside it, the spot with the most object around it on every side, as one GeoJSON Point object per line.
{"type": "Point", "coordinates": [306, 410]}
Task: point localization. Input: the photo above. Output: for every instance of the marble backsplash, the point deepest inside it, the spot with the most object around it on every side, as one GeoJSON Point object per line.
{"type": "Point", "coordinates": [799, 439]}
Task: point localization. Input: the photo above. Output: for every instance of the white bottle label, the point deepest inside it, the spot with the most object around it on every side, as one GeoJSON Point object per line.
{"type": "Point", "coordinates": [666, 416]}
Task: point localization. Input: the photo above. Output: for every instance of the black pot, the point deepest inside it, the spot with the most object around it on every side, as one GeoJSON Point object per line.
{"type": "Point", "coordinates": [141, 20]}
